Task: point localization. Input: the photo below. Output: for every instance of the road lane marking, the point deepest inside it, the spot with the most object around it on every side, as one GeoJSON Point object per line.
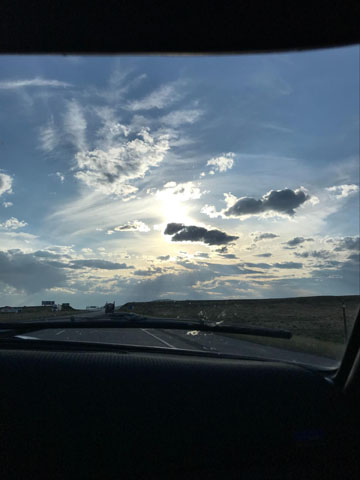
{"type": "Point", "coordinates": [26, 337]}
{"type": "Point", "coordinates": [61, 331]}
{"type": "Point", "coordinates": [158, 338]}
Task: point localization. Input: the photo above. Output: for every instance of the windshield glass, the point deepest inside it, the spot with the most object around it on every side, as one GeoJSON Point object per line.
{"type": "Point", "coordinates": [218, 189]}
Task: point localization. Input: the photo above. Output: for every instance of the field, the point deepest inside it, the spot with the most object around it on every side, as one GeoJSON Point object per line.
{"type": "Point", "coordinates": [35, 313]}
{"type": "Point", "coordinates": [317, 323]}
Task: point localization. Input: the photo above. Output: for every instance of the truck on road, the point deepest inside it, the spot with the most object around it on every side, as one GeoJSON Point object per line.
{"type": "Point", "coordinates": [109, 307]}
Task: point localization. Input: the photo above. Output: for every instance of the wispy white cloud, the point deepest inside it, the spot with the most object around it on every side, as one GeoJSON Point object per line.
{"type": "Point", "coordinates": [108, 171]}
{"type": "Point", "coordinates": [181, 117]}
{"type": "Point", "coordinates": [13, 224]}
{"type": "Point", "coordinates": [61, 176]}
{"type": "Point", "coordinates": [7, 204]}
{"type": "Point", "coordinates": [160, 98]}
{"type": "Point", "coordinates": [134, 226]}
{"type": "Point", "coordinates": [223, 162]}
{"type": "Point", "coordinates": [49, 136]}
{"type": "Point", "coordinates": [182, 191]}
{"type": "Point", "coordinates": [270, 82]}
{"type": "Point", "coordinates": [32, 82]}
{"type": "Point", "coordinates": [111, 129]}
{"type": "Point", "coordinates": [343, 191]}
{"type": "Point", "coordinates": [75, 125]}
{"type": "Point", "coordinates": [5, 183]}
{"type": "Point", "coordinates": [274, 126]}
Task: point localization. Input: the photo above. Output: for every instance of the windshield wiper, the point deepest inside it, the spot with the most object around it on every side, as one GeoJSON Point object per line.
{"type": "Point", "coordinates": [135, 321]}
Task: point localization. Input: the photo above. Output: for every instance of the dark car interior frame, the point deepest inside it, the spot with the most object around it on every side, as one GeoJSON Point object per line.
{"type": "Point", "coordinates": [89, 413]}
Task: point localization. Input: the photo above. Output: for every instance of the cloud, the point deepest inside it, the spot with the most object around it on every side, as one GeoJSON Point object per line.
{"type": "Point", "coordinates": [288, 265]}
{"type": "Point", "coordinates": [108, 171]}
{"type": "Point", "coordinates": [258, 236]}
{"type": "Point", "coordinates": [98, 264]}
{"type": "Point", "coordinates": [32, 82]}
{"type": "Point", "coordinates": [149, 272]}
{"type": "Point", "coordinates": [61, 176]}
{"type": "Point", "coordinates": [323, 254]}
{"type": "Point", "coordinates": [298, 240]}
{"type": "Point", "coordinates": [159, 98]}
{"type": "Point", "coordinates": [172, 228]}
{"type": "Point", "coordinates": [279, 201]}
{"type": "Point", "coordinates": [222, 250]}
{"type": "Point", "coordinates": [5, 183]}
{"type": "Point", "coordinates": [27, 273]}
{"type": "Point", "coordinates": [49, 137]}
{"type": "Point", "coordinates": [182, 191]}
{"type": "Point", "coordinates": [164, 258]}
{"type": "Point", "coordinates": [192, 233]}
{"type": "Point", "coordinates": [348, 243]}
{"type": "Point", "coordinates": [134, 226]}
{"type": "Point", "coordinates": [278, 128]}
{"type": "Point", "coordinates": [228, 255]}
{"type": "Point", "coordinates": [13, 224]}
{"type": "Point", "coordinates": [180, 117]}
{"type": "Point", "coordinates": [265, 255]}
{"type": "Point", "coordinates": [202, 255]}
{"type": "Point", "coordinates": [343, 191]}
{"type": "Point", "coordinates": [223, 162]}
{"type": "Point", "coordinates": [7, 204]}
{"type": "Point", "coordinates": [47, 254]}
{"type": "Point", "coordinates": [256, 265]}
{"type": "Point", "coordinates": [75, 125]}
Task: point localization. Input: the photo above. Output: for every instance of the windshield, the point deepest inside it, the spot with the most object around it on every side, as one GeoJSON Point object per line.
{"type": "Point", "coordinates": [218, 189]}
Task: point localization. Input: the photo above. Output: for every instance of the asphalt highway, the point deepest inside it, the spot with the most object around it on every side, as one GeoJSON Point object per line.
{"type": "Point", "coordinates": [176, 339]}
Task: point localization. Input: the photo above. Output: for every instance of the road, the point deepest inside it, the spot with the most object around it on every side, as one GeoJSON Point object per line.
{"type": "Point", "coordinates": [176, 339]}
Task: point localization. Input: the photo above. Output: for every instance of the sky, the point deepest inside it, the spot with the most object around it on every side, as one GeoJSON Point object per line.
{"type": "Point", "coordinates": [137, 178]}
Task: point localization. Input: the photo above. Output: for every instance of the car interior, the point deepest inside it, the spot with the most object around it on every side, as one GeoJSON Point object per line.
{"type": "Point", "coordinates": [76, 410]}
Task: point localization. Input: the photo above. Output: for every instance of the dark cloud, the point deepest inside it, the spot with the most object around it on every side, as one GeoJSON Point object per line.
{"type": "Point", "coordinates": [202, 255]}
{"type": "Point", "coordinates": [25, 272]}
{"type": "Point", "coordinates": [172, 228]}
{"type": "Point", "coordinates": [257, 265]}
{"type": "Point", "coordinates": [149, 272]}
{"type": "Point", "coordinates": [163, 258]}
{"type": "Point", "coordinates": [228, 255]}
{"type": "Point", "coordinates": [298, 240]}
{"type": "Point", "coordinates": [222, 250]}
{"type": "Point", "coordinates": [47, 254]}
{"type": "Point", "coordinates": [232, 269]}
{"type": "Point", "coordinates": [102, 264]}
{"type": "Point", "coordinates": [320, 253]}
{"type": "Point", "coordinates": [314, 253]}
{"type": "Point", "coordinates": [302, 254]}
{"type": "Point", "coordinates": [348, 243]}
{"type": "Point", "coordinates": [189, 265]}
{"type": "Point", "coordinates": [344, 279]}
{"type": "Point", "coordinates": [57, 264]}
{"type": "Point", "coordinates": [288, 265]}
{"type": "Point", "coordinates": [266, 255]}
{"type": "Point", "coordinates": [354, 257]}
{"type": "Point", "coordinates": [193, 233]}
{"type": "Point", "coordinates": [264, 236]}
{"type": "Point", "coordinates": [281, 201]}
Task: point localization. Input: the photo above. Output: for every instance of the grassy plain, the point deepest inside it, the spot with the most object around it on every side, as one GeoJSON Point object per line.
{"type": "Point", "coordinates": [317, 323]}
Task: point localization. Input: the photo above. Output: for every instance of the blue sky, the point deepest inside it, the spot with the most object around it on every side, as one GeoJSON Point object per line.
{"type": "Point", "coordinates": [138, 178]}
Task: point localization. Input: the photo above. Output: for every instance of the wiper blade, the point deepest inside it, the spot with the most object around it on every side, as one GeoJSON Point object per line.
{"type": "Point", "coordinates": [145, 322]}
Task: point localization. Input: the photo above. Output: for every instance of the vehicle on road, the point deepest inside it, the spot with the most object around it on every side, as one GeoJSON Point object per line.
{"type": "Point", "coordinates": [110, 307]}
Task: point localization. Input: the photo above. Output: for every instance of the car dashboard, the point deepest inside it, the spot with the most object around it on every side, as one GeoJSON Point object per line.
{"type": "Point", "coordinates": [70, 413]}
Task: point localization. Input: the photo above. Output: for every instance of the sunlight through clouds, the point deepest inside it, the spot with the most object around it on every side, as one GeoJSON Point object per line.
{"type": "Point", "coordinates": [173, 178]}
